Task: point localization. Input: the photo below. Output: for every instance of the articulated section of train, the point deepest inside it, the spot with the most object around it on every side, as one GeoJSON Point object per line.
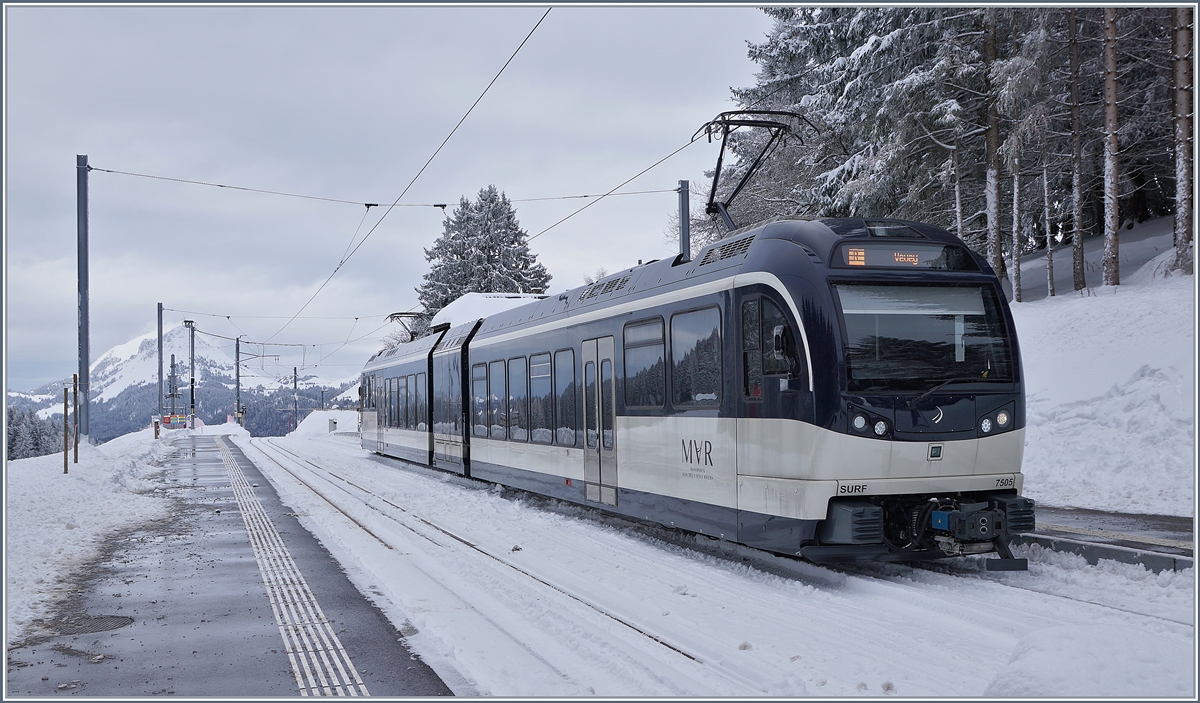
{"type": "Point", "coordinates": [838, 389]}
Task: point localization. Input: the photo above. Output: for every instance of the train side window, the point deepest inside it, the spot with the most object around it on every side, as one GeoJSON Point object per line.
{"type": "Point", "coordinates": [696, 358]}
{"type": "Point", "coordinates": [752, 371]}
{"type": "Point", "coordinates": [497, 400]}
{"type": "Point", "coordinates": [589, 403]}
{"type": "Point", "coordinates": [402, 404]}
{"type": "Point", "coordinates": [479, 400]}
{"type": "Point", "coordinates": [393, 392]}
{"type": "Point", "coordinates": [541, 400]}
{"type": "Point", "coordinates": [645, 365]}
{"type": "Point", "coordinates": [518, 401]}
{"type": "Point", "coordinates": [564, 389]}
{"type": "Point", "coordinates": [411, 413]}
{"type": "Point", "coordinates": [606, 404]}
{"type": "Point", "coordinates": [422, 406]}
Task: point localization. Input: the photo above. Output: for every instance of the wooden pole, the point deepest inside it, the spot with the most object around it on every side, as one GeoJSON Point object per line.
{"type": "Point", "coordinates": [75, 429]}
{"type": "Point", "coordinates": [66, 435]}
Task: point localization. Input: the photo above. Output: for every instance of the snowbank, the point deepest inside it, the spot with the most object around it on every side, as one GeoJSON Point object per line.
{"type": "Point", "coordinates": [1111, 393]}
{"type": "Point", "coordinates": [54, 523]}
{"type": "Point", "coordinates": [1098, 661]}
{"type": "Point", "coordinates": [317, 422]}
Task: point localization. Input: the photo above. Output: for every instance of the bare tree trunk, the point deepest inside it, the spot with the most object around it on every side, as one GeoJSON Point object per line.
{"type": "Point", "coordinates": [992, 136]}
{"type": "Point", "coordinates": [958, 212]}
{"type": "Point", "coordinates": [1016, 231]}
{"type": "Point", "coordinates": [1182, 70]}
{"type": "Point", "coordinates": [1049, 239]}
{"type": "Point", "coordinates": [1076, 157]}
{"type": "Point", "coordinates": [1112, 224]}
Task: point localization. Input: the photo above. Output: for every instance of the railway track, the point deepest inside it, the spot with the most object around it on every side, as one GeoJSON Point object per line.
{"type": "Point", "coordinates": [672, 614]}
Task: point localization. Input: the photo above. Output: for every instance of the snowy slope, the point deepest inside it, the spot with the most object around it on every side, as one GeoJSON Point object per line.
{"type": "Point", "coordinates": [1111, 395]}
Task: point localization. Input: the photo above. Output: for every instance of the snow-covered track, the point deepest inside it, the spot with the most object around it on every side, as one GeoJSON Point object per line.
{"type": "Point", "coordinates": [523, 596]}
{"type": "Point", "coordinates": [349, 498]}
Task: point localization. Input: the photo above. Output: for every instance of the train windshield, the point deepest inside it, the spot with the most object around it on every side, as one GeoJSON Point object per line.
{"type": "Point", "coordinates": [915, 337]}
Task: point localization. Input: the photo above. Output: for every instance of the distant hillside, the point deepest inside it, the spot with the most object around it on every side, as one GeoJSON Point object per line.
{"type": "Point", "coordinates": [125, 389]}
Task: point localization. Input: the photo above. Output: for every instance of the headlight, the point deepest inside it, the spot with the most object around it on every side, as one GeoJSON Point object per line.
{"type": "Point", "coordinates": [881, 428]}
{"type": "Point", "coordinates": [860, 422]}
{"type": "Point", "coordinates": [986, 425]}
{"type": "Point", "coordinates": [1002, 418]}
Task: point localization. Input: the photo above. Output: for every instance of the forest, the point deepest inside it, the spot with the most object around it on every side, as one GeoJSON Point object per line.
{"type": "Point", "coordinates": [1005, 126]}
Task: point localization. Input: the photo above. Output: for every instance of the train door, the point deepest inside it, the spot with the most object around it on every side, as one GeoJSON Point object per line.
{"type": "Point", "coordinates": [599, 408]}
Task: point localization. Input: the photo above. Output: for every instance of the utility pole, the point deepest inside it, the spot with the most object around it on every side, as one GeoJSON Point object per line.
{"type": "Point", "coordinates": [75, 385]}
{"type": "Point", "coordinates": [81, 215]}
{"type": "Point", "coordinates": [295, 400]}
{"type": "Point", "coordinates": [192, 375]}
{"type": "Point", "coordinates": [66, 437]}
{"type": "Point", "coordinates": [237, 364]}
{"type": "Point", "coordinates": [685, 225]}
{"type": "Point", "coordinates": [322, 398]}
{"type": "Point", "coordinates": [173, 388]}
{"type": "Point", "coordinates": [160, 367]}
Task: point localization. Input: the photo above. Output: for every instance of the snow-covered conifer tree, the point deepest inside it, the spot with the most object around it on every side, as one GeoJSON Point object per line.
{"type": "Point", "coordinates": [482, 250]}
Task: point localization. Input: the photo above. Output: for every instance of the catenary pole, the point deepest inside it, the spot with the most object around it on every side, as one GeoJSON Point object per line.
{"type": "Point", "coordinates": [685, 225]}
{"type": "Point", "coordinates": [295, 401]}
{"type": "Point", "coordinates": [81, 215]}
{"type": "Point", "coordinates": [192, 374]}
{"type": "Point", "coordinates": [160, 366]}
{"type": "Point", "coordinates": [75, 430]}
{"type": "Point", "coordinates": [237, 364]}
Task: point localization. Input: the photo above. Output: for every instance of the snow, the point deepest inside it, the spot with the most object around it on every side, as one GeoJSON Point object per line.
{"type": "Point", "coordinates": [476, 306]}
{"type": "Point", "coordinates": [1111, 394]}
{"type": "Point", "coordinates": [1078, 662]}
{"type": "Point", "coordinates": [751, 628]}
{"type": "Point", "coordinates": [317, 422]}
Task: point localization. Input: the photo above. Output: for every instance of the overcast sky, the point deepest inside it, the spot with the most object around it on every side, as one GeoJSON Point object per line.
{"type": "Point", "coordinates": [343, 103]}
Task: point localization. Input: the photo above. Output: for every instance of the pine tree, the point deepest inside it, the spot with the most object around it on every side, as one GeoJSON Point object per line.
{"type": "Point", "coordinates": [482, 249]}
{"type": "Point", "coordinates": [1182, 84]}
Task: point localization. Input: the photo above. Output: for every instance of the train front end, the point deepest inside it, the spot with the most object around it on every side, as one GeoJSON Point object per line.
{"type": "Point", "coordinates": [925, 425]}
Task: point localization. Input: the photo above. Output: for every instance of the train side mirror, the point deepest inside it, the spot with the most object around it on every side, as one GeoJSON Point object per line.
{"type": "Point", "coordinates": [781, 346]}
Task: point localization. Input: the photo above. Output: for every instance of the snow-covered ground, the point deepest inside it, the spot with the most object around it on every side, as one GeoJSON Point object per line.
{"type": "Point", "coordinates": [1111, 394]}
{"type": "Point", "coordinates": [55, 523]}
{"type": "Point", "coordinates": [514, 596]}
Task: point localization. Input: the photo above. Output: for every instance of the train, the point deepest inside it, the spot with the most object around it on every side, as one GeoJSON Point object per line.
{"type": "Point", "coordinates": [837, 389]}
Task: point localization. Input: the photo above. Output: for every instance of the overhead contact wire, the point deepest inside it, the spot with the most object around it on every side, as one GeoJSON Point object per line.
{"type": "Point", "coordinates": [639, 174]}
{"type": "Point", "coordinates": [414, 180]}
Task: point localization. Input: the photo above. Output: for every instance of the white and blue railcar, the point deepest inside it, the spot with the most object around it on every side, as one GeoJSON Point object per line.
{"type": "Point", "coordinates": [837, 389]}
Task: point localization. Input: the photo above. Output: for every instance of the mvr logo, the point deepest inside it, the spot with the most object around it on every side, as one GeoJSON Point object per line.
{"type": "Point", "coordinates": [699, 453]}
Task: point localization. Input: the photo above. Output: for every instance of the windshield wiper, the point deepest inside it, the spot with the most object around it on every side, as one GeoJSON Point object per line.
{"type": "Point", "coordinates": [960, 379]}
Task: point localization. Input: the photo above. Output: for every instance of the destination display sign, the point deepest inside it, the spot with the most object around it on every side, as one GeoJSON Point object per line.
{"type": "Point", "coordinates": [905, 255]}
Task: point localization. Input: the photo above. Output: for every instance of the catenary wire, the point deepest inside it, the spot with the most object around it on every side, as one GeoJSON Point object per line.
{"type": "Point", "coordinates": [251, 190]}
{"type": "Point", "coordinates": [639, 173]}
{"type": "Point", "coordinates": [414, 180]}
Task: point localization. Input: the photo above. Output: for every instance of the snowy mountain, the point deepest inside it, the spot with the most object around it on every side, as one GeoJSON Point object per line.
{"type": "Point", "coordinates": [136, 362]}
{"type": "Point", "coordinates": [125, 387]}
